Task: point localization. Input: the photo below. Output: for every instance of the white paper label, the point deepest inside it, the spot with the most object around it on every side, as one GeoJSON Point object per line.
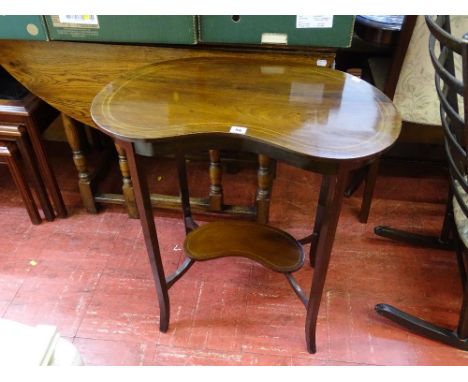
{"type": "Point", "coordinates": [238, 130]}
{"type": "Point", "coordinates": [274, 38]}
{"type": "Point", "coordinates": [321, 62]}
{"type": "Point", "coordinates": [314, 21]}
{"type": "Point", "coordinates": [79, 19]}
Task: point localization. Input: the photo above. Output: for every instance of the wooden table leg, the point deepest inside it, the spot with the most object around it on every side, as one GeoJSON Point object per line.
{"type": "Point", "coordinates": [127, 186]}
{"type": "Point", "coordinates": [46, 169]}
{"type": "Point", "coordinates": [216, 189]}
{"type": "Point", "coordinates": [334, 191]}
{"type": "Point", "coordinates": [369, 186]}
{"type": "Point", "coordinates": [145, 210]}
{"type": "Point", "coordinates": [265, 180]}
{"type": "Point", "coordinates": [71, 128]}
{"type": "Point", "coordinates": [321, 206]}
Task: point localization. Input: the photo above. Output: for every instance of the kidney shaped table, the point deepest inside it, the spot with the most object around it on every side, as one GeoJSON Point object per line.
{"type": "Point", "coordinates": [317, 119]}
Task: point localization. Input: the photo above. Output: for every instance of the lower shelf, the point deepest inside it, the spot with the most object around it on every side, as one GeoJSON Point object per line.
{"type": "Point", "coordinates": [270, 246]}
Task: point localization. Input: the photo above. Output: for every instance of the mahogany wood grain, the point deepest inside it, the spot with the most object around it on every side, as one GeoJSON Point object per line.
{"type": "Point", "coordinates": [67, 75]}
{"type": "Point", "coordinates": [313, 112]}
{"type": "Point", "coordinates": [271, 247]}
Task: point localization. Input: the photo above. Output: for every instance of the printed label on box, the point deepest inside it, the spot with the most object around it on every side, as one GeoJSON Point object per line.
{"type": "Point", "coordinates": [314, 21]}
{"type": "Point", "coordinates": [75, 21]}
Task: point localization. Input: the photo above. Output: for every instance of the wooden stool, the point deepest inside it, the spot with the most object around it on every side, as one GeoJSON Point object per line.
{"type": "Point", "coordinates": [17, 134]}
{"type": "Point", "coordinates": [9, 155]}
{"type": "Point", "coordinates": [19, 107]}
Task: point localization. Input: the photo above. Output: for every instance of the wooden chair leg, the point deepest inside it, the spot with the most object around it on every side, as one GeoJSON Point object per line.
{"type": "Point", "coordinates": [31, 165]}
{"type": "Point", "coordinates": [45, 169]}
{"type": "Point", "coordinates": [9, 152]}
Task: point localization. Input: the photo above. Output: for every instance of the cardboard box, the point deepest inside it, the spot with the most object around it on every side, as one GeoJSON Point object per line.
{"type": "Point", "coordinates": [128, 29]}
{"type": "Point", "coordinates": [23, 28]}
{"type": "Point", "coordinates": [317, 31]}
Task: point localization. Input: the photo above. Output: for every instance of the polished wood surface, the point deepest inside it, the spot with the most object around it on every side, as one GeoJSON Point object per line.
{"type": "Point", "coordinates": [271, 247]}
{"type": "Point", "coordinates": [68, 75]}
{"type": "Point", "coordinates": [315, 112]}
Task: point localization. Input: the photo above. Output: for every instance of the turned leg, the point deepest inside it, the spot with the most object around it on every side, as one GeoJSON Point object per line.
{"type": "Point", "coordinates": [71, 128]}
{"type": "Point", "coordinates": [216, 188]}
{"type": "Point", "coordinates": [265, 180]}
{"type": "Point", "coordinates": [127, 186]}
{"type": "Point", "coordinates": [334, 198]}
{"type": "Point", "coordinates": [145, 210]}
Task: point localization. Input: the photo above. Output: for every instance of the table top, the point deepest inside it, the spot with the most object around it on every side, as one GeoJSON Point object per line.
{"type": "Point", "coordinates": [315, 112]}
{"type": "Point", "coordinates": [68, 75]}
